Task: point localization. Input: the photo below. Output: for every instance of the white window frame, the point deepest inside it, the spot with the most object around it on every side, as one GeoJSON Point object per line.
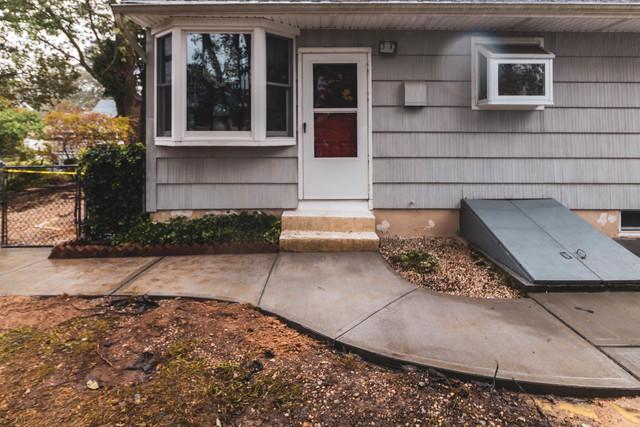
{"type": "Point", "coordinates": [257, 136]}
{"type": "Point", "coordinates": [508, 102]}
{"type": "Point", "coordinates": [162, 140]}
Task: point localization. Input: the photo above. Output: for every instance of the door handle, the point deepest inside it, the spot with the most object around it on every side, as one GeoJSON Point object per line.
{"type": "Point", "coordinates": [581, 254]}
{"type": "Point", "coordinates": [304, 127]}
{"type": "Point", "coordinates": [565, 255]}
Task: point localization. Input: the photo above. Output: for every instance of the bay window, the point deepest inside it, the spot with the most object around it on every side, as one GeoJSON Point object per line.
{"type": "Point", "coordinates": [224, 87]}
{"type": "Point", "coordinates": [511, 73]}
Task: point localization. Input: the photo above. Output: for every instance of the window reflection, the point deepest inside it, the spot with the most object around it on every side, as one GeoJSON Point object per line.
{"type": "Point", "coordinates": [218, 82]}
{"type": "Point", "coordinates": [163, 86]}
{"type": "Point", "coordinates": [279, 86]}
{"type": "Point", "coordinates": [521, 79]}
{"type": "Point", "coordinates": [335, 85]}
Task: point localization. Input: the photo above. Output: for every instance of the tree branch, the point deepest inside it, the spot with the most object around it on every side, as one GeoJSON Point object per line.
{"type": "Point", "coordinates": [92, 24]}
{"type": "Point", "coordinates": [129, 37]}
{"type": "Point", "coordinates": [58, 49]}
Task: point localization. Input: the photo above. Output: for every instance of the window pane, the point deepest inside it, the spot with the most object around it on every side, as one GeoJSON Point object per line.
{"type": "Point", "coordinates": [630, 220]}
{"type": "Point", "coordinates": [521, 79]}
{"type": "Point", "coordinates": [218, 82]}
{"type": "Point", "coordinates": [335, 85]}
{"type": "Point", "coordinates": [335, 135]}
{"type": "Point", "coordinates": [163, 85]}
{"type": "Point", "coordinates": [279, 69]}
{"type": "Point", "coordinates": [278, 60]}
{"type": "Point", "coordinates": [482, 76]}
{"type": "Point", "coordinates": [278, 110]}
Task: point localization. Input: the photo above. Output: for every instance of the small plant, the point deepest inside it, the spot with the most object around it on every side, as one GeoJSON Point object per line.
{"type": "Point", "coordinates": [418, 261]}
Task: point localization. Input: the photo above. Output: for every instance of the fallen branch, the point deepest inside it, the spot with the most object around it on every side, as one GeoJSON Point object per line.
{"type": "Point", "coordinates": [104, 359]}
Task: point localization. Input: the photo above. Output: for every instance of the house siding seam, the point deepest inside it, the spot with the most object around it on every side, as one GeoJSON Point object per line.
{"type": "Point", "coordinates": [227, 178]}
{"type": "Point", "coordinates": [584, 151]}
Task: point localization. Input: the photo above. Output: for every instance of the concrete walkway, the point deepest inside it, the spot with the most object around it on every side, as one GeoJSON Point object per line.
{"type": "Point", "coordinates": [557, 342]}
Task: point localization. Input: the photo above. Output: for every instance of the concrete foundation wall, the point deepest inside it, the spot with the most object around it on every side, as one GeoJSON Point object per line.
{"type": "Point", "coordinates": [417, 222]}
{"type": "Point", "coordinates": [445, 222]}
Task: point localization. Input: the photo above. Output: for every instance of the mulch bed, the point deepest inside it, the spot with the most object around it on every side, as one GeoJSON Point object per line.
{"type": "Point", "coordinates": [462, 271]}
{"type": "Point", "coordinates": [88, 250]}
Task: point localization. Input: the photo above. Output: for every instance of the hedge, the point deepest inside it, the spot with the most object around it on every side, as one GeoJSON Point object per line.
{"type": "Point", "coordinates": [113, 178]}
{"type": "Point", "coordinates": [244, 227]}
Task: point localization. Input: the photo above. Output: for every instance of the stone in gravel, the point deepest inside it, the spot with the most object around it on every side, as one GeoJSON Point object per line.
{"type": "Point", "coordinates": [93, 385]}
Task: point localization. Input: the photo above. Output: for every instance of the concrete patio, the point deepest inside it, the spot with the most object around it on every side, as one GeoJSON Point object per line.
{"type": "Point", "coordinates": [570, 342]}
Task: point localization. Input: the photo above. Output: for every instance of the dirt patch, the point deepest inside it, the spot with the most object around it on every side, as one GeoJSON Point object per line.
{"type": "Point", "coordinates": [42, 216]}
{"type": "Point", "coordinates": [194, 363]}
{"type": "Point", "coordinates": [20, 312]}
{"type": "Point", "coordinates": [461, 271]}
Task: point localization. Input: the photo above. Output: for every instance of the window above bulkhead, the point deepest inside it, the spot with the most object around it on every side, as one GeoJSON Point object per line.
{"type": "Point", "coordinates": [511, 73]}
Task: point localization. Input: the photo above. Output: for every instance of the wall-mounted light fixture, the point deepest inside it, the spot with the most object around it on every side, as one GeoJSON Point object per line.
{"type": "Point", "coordinates": [388, 47]}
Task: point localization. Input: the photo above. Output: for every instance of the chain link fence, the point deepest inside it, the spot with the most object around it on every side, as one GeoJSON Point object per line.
{"type": "Point", "coordinates": [41, 205]}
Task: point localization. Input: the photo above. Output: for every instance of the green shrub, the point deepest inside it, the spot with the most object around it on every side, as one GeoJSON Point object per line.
{"type": "Point", "coordinates": [240, 228]}
{"type": "Point", "coordinates": [113, 182]}
{"type": "Point", "coordinates": [15, 125]}
{"type": "Point", "coordinates": [418, 261]}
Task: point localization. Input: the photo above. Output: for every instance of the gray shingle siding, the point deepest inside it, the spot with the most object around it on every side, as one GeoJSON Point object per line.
{"type": "Point", "coordinates": [584, 151]}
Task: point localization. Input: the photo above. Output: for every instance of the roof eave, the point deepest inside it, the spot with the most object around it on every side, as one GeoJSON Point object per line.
{"type": "Point", "coordinates": [221, 8]}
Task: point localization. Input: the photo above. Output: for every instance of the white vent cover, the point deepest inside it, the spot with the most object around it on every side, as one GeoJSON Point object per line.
{"type": "Point", "coordinates": [415, 94]}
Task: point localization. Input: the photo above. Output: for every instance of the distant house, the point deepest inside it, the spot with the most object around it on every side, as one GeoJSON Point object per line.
{"type": "Point", "coordinates": [106, 106]}
{"type": "Point", "coordinates": [391, 111]}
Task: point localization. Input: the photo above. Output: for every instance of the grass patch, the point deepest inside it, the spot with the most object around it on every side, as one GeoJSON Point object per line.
{"type": "Point", "coordinates": [418, 261]}
{"type": "Point", "coordinates": [187, 391]}
{"type": "Point", "coordinates": [73, 337]}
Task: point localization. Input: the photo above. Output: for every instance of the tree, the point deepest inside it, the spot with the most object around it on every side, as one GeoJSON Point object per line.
{"type": "Point", "coordinates": [15, 125]}
{"type": "Point", "coordinates": [71, 131]}
{"type": "Point", "coordinates": [83, 32]}
{"type": "Point", "coordinates": [86, 97]}
{"type": "Point", "coordinates": [33, 77]}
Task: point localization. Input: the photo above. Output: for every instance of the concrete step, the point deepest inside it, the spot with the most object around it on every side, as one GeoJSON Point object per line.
{"type": "Point", "coordinates": [328, 221]}
{"type": "Point", "coordinates": [328, 241]}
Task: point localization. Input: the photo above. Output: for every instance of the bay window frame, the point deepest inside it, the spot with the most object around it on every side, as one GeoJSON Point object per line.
{"type": "Point", "coordinates": [493, 60]}
{"type": "Point", "coordinates": [257, 136]}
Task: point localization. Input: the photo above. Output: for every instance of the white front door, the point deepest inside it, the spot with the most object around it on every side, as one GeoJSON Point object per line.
{"type": "Point", "coordinates": [335, 126]}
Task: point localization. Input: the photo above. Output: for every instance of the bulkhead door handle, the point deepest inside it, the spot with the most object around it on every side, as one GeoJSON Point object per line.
{"type": "Point", "coordinates": [581, 254]}
{"type": "Point", "coordinates": [566, 255]}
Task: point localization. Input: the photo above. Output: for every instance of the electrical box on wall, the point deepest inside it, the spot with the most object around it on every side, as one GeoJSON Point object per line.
{"type": "Point", "coordinates": [415, 94]}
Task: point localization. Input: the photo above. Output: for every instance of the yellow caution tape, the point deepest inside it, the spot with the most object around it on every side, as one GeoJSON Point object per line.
{"type": "Point", "coordinates": [40, 172]}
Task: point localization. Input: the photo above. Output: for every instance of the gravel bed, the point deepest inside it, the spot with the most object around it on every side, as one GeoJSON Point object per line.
{"type": "Point", "coordinates": [462, 271]}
